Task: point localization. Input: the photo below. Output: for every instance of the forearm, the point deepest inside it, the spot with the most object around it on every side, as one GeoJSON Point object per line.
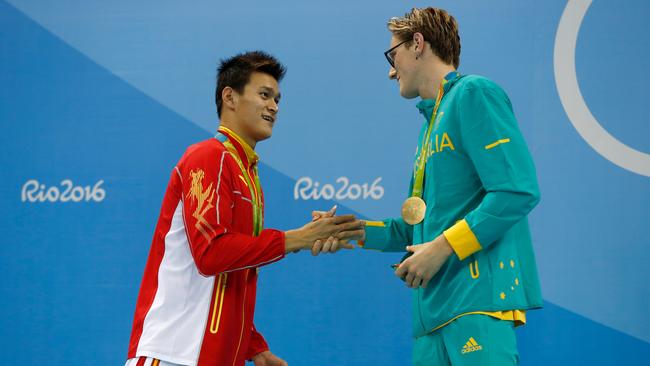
{"type": "Point", "coordinates": [232, 251]}
{"type": "Point", "coordinates": [390, 235]}
{"type": "Point", "coordinates": [484, 225]}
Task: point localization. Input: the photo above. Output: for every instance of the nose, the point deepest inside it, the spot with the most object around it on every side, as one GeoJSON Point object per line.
{"type": "Point", "coordinates": [392, 73]}
{"type": "Point", "coordinates": [272, 106]}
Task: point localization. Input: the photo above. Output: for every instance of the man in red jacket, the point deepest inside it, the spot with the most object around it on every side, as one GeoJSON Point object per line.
{"type": "Point", "coordinates": [197, 298]}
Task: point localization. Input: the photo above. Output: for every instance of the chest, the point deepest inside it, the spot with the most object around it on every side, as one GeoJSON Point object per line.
{"type": "Point", "coordinates": [447, 167]}
{"type": "Point", "coordinates": [248, 198]}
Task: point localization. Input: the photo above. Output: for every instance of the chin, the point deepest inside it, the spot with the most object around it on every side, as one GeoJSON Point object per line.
{"type": "Point", "coordinates": [407, 94]}
{"type": "Point", "coordinates": [263, 135]}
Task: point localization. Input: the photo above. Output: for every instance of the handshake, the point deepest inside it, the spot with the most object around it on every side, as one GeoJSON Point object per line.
{"type": "Point", "coordinates": [326, 233]}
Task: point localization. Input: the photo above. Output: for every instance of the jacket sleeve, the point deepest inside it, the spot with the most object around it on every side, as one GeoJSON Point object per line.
{"type": "Point", "coordinates": [208, 201]}
{"type": "Point", "coordinates": [256, 345]}
{"type": "Point", "coordinates": [491, 138]}
{"type": "Point", "coordinates": [390, 235]}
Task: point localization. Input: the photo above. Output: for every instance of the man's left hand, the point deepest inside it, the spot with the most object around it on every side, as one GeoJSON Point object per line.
{"type": "Point", "coordinates": [425, 262]}
{"type": "Point", "coordinates": [267, 358]}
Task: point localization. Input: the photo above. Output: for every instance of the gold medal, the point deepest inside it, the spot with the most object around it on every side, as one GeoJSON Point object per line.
{"type": "Point", "coordinates": [413, 210]}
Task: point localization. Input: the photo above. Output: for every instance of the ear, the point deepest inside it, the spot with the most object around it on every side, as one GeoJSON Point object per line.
{"type": "Point", "coordinates": [418, 41]}
{"type": "Point", "coordinates": [229, 97]}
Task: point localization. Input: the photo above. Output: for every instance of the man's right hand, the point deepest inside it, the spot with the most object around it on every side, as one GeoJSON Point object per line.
{"type": "Point", "coordinates": [327, 233]}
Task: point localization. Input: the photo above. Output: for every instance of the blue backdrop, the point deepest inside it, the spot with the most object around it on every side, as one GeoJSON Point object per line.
{"type": "Point", "coordinates": [98, 100]}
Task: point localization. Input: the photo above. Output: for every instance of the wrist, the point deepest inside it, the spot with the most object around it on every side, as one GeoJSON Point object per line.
{"type": "Point", "coordinates": [257, 357]}
{"type": "Point", "coordinates": [293, 241]}
{"type": "Point", "coordinates": [444, 245]}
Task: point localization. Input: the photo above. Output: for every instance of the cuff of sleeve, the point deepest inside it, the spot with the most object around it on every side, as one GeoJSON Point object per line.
{"type": "Point", "coordinates": [255, 352]}
{"type": "Point", "coordinates": [462, 239]}
{"type": "Point", "coordinates": [257, 345]}
{"type": "Point", "coordinates": [371, 228]}
{"type": "Point", "coordinates": [276, 250]}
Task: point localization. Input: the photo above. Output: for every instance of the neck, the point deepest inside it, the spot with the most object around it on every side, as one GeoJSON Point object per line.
{"type": "Point", "coordinates": [234, 127]}
{"type": "Point", "coordinates": [434, 73]}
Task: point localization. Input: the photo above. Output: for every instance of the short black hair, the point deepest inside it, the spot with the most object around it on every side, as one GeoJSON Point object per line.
{"type": "Point", "coordinates": [236, 71]}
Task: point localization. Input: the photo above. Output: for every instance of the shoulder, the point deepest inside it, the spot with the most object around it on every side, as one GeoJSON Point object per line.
{"type": "Point", "coordinates": [207, 154]}
{"type": "Point", "coordinates": [475, 88]}
{"type": "Point", "coordinates": [478, 82]}
{"type": "Point", "coordinates": [210, 149]}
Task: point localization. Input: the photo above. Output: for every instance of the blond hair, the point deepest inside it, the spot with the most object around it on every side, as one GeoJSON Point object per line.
{"type": "Point", "coordinates": [438, 28]}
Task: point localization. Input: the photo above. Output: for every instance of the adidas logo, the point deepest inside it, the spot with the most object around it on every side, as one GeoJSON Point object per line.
{"type": "Point", "coordinates": [471, 346]}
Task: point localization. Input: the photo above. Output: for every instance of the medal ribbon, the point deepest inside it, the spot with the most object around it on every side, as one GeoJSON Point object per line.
{"type": "Point", "coordinates": [253, 185]}
{"type": "Point", "coordinates": [422, 158]}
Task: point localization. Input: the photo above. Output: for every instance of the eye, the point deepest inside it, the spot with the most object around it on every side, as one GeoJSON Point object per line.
{"type": "Point", "coordinates": [265, 95]}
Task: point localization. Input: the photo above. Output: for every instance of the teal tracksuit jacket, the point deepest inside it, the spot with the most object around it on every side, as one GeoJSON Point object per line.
{"type": "Point", "coordinates": [479, 186]}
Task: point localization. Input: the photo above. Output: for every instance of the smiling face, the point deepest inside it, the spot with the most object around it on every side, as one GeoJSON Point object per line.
{"type": "Point", "coordinates": [255, 109]}
{"type": "Point", "coordinates": [405, 70]}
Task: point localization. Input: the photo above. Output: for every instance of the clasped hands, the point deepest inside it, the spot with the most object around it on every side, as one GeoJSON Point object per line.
{"type": "Point", "coordinates": [326, 233]}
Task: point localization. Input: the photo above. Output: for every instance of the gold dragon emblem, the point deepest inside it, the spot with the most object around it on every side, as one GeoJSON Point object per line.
{"type": "Point", "coordinates": [203, 199]}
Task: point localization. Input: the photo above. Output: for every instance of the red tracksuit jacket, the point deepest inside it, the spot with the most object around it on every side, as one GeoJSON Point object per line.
{"type": "Point", "coordinates": [197, 297]}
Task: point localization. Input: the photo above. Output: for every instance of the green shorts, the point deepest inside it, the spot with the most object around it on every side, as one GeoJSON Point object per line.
{"type": "Point", "coordinates": [476, 340]}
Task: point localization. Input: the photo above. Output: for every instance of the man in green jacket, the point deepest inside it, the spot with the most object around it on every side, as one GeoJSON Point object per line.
{"type": "Point", "coordinates": [464, 224]}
